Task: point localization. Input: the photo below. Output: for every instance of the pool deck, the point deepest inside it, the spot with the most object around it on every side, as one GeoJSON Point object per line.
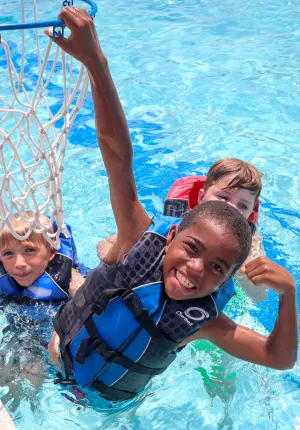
{"type": "Point", "coordinates": [5, 420]}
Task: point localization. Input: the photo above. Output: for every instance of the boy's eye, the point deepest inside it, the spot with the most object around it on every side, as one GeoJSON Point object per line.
{"type": "Point", "coordinates": [7, 254]}
{"type": "Point", "coordinates": [218, 268]}
{"type": "Point", "coordinates": [30, 250]}
{"type": "Point", "coordinates": [223, 197]}
{"type": "Point", "coordinates": [192, 247]}
{"type": "Point", "coordinates": [244, 207]}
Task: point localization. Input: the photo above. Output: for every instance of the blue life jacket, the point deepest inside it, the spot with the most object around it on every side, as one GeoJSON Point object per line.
{"type": "Point", "coordinates": [53, 284]}
{"type": "Point", "coordinates": [121, 329]}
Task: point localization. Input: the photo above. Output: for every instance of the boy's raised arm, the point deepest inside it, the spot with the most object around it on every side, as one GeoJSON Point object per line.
{"type": "Point", "coordinates": [279, 349]}
{"type": "Point", "coordinates": [112, 129]}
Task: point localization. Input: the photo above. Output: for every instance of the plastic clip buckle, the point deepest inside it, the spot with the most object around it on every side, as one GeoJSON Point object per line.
{"type": "Point", "coordinates": [67, 3]}
{"type": "Point", "coordinates": [57, 32]}
{"type": "Point", "coordinates": [109, 355]}
{"type": "Point", "coordinates": [64, 381]}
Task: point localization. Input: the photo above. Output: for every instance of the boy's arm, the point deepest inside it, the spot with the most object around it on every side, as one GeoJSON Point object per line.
{"type": "Point", "coordinates": [76, 281]}
{"type": "Point", "coordinates": [112, 129]}
{"type": "Point", "coordinates": [279, 349]}
{"type": "Point", "coordinates": [54, 354]}
{"type": "Point", "coordinates": [105, 245]}
{"type": "Point", "coordinates": [257, 293]}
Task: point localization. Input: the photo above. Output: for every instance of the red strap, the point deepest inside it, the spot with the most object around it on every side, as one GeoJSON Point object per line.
{"type": "Point", "coordinates": [187, 188]}
{"type": "Point", "coordinates": [254, 214]}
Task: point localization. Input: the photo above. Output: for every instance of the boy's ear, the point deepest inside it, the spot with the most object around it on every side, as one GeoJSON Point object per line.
{"type": "Point", "coordinates": [171, 235]}
{"type": "Point", "coordinates": [52, 254]}
{"type": "Point", "coordinates": [201, 195]}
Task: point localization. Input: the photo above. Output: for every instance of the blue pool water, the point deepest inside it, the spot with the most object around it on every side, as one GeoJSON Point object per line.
{"type": "Point", "coordinates": [199, 81]}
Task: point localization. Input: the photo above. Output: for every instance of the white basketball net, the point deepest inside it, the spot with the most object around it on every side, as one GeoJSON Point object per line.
{"type": "Point", "coordinates": [36, 114]}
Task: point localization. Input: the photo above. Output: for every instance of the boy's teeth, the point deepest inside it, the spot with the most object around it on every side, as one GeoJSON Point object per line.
{"type": "Point", "coordinates": [185, 282]}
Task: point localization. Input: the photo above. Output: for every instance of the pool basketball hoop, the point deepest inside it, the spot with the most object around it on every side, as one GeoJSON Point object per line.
{"type": "Point", "coordinates": [42, 91]}
{"type": "Point", "coordinates": [56, 23]}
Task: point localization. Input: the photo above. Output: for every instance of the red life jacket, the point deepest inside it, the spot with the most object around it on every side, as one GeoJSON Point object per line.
{"type": "Point", "coordinates": [183, 196]}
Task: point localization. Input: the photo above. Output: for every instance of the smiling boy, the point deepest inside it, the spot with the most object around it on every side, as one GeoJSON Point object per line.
{"type": "Point", "coordinates": [235, 182]}
{"type": "Point", "coordinates": [125, 325]}
{"type": "Point", "coordinates": [231, 180]}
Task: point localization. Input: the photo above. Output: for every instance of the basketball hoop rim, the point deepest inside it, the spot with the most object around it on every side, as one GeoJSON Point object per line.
{"type": "Point", "coordinates": [42, 24]}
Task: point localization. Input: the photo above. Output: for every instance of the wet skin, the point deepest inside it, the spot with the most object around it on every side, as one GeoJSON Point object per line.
{"type": "Point", "coordinates": [243, 200]}
{"type": "Point", "coordinates": [199, 260]}
{"type": "Point", "coordinates": [25, 261]}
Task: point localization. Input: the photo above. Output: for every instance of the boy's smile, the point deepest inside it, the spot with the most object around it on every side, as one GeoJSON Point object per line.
{"type": "Point", "coordinates": [25, 261]}
{"type": "Point", "coordinates": [198, 260]}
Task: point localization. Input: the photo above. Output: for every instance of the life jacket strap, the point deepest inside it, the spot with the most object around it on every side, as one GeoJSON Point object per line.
{"type": "Point", "coordinates": [112, 393]}
{"type": "Point", "coordinates": [98, 345]}
{"type": "Point", "coordinates": [141, 315]}
{"type": "Point", "coordinates": [252, 227]}
{"type": "Point", "coordinates": [64, 352]}
{"type": "Point", "coordinates": [64, 381]}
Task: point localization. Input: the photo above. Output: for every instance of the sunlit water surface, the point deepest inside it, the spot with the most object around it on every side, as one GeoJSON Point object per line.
{"type": "Point", "coordinates": [199, 81]}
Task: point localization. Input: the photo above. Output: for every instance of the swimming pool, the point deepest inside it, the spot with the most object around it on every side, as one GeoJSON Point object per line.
{"type": "Point", "coordinates": [198, 81]}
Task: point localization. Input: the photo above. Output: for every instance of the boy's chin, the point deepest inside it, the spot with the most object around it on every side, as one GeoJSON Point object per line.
{"type": "Point", "coordinates": [25, 283]}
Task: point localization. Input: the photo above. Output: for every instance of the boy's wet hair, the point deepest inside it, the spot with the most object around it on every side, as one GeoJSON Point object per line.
{"type": "Point", "coordinates": [234, 173]}
{"type": "Point", "coordinates": [222, 213]}
{"type": "Point", "coordinates": [21, 227]}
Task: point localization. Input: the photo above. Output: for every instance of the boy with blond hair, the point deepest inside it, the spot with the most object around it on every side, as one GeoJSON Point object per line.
{"type": "Point", "coordinates": [32, 268]}
{"type": "Point", "coordinates": [31, 272]}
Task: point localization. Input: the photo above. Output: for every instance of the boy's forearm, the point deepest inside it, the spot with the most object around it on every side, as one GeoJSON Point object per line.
{"type": "Point", "coordinates": [282, 344]}
{"type": "Point", "coordinates": [278, 350]}
{"type": "Point", "coordinates": [116, 149]}
{"type": "Point", "coordinates": [76, 282]}
{"type": "Point", "coordinates": [113, 133]}
{"type": "Point", "coordinates": [258, 293]}
{"type": "Point", "coordinates": [112, 129]}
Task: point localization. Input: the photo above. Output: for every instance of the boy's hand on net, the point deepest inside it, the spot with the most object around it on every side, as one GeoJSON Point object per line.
{"type": "Point", "coordinates": [83, 42]}
{"type": "Point", "coordinates": [53, 349]}
{"type": "Point", "coordinates": [262, 271]}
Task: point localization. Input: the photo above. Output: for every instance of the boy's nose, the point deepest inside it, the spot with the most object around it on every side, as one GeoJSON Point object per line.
{"type": "Point", "coordinates": [20, 262]}
{"type": "Point", "coordinates": [196, 266]}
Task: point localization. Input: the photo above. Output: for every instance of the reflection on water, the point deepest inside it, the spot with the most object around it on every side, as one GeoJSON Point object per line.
{"type": "Point", "coordinates": [199, 81]}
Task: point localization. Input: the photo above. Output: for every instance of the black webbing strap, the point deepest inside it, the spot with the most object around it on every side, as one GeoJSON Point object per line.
{"type": "Point", "coordinates": [56, 325]}
{"type": "Point", "coordinates": [100, 347]}
{"type": "Point", "coordinates": [65, 355]}
{"type": "Point", "coordinates": [83, 350]}
{"type": "Point", "coordinates": [64, 381]}
{"type": "Point", "coordinates": [252, 227]}
{"type": "Point", "coordinates": [112, 393]}
{"type": "Point", "coordinates": [91, 328]}
{"type": "Point", "coordinates": [132, 302]}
